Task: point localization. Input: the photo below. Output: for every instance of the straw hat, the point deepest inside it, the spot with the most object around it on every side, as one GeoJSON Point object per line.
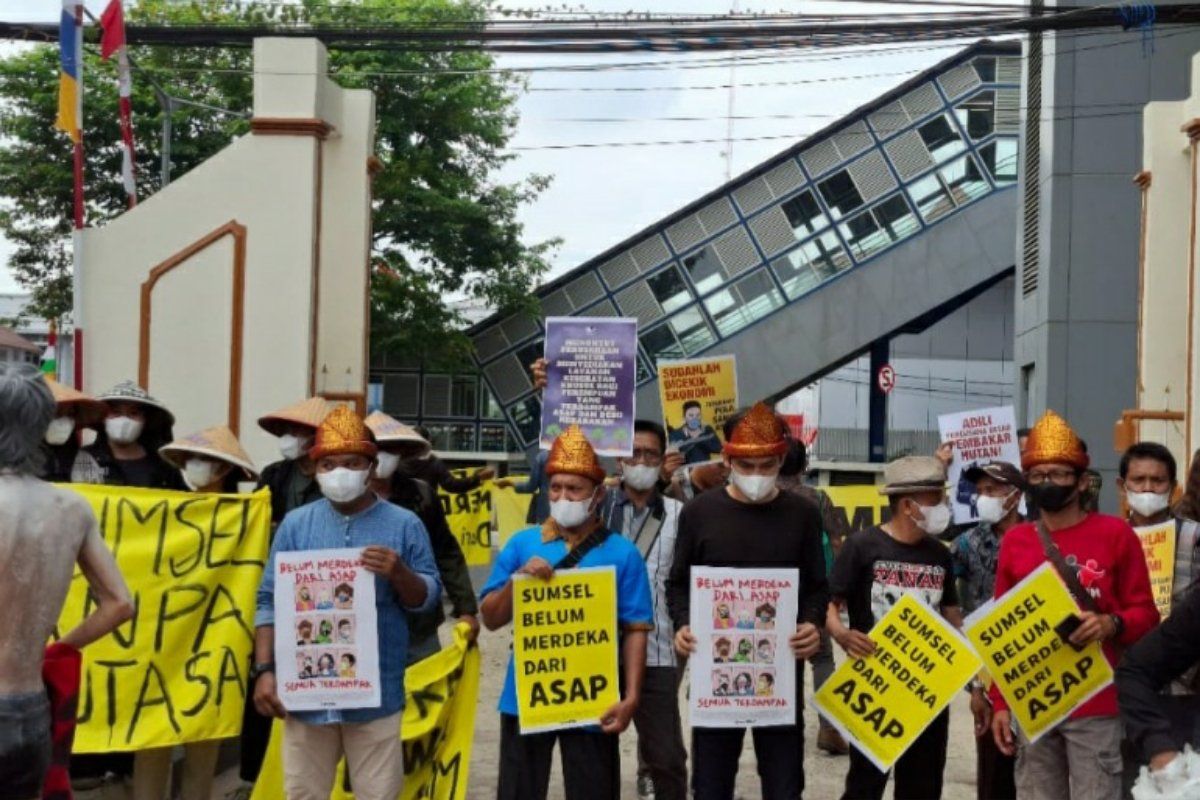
{"type": "Point", "coordinates": [343, 432]}
{"type": "Point", "coordinates": [390, 431]}
{"type": "Point", "coordinates": [88, 410]}
{"type": "Point", "coordinates": [759, 433]}
{"type": "Point", "coordinates": [913, 475]}
{"type": "Point", "coordinates": [130, 392]}
{"type": "Point", "coordinates": [572, 454]}
{"type": "Point", "coordinates": [216, 442]}
{"type": "Point", "coordinates": [1053, 442]}
{"type": "Point", "coordinates": [309, 413]}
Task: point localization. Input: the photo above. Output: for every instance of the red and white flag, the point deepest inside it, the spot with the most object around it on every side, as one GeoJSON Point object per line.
{"type": "Point", "coordinates": [112, 21]}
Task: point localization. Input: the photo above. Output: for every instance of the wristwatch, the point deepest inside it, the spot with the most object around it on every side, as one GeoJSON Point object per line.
{"type": "Point", "coordinates": [259, 669]}
{"type": "Point", "coordinates": [1118, 625]}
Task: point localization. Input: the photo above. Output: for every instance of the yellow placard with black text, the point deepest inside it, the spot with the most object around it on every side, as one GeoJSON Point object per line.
{"type": "Point", "coordinates": [176, 672]}
{"type": "Point", "coordinates": [565, 648]}
{"type": "Point", "coordinates": [469, 515]}
{"type": "Point", "coordinates": [1158, 544]}
{"type": "Point", "coordinates": [697, 396]}
{"type": "Point", "coordinates": [862, 506]}
{"type": "Point", "coordinates": [1042, 677]}
{"type": "Point", "coordinates": [883, 702]}
{"type": "Point", "coordinates": [436, 732]}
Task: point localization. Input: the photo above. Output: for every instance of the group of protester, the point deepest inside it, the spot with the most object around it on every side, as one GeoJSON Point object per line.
{"type": "Point", "coordinates": [348, 481]}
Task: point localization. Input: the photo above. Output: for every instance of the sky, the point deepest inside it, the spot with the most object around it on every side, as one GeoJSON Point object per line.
{"type": "Point", "coordinates": [600, 196]}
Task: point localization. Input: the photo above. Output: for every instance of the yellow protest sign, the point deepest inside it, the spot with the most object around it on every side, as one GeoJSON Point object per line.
{"type": "Point", "coordinates": [512, 509]}
{"type": "Point", "coordinates": [861, 506]}
{"type": "Point", "coordinates": [565, 648]}
{"type": "Point", "coordinates": [469, 515]}
{"type": "Point", "coordinates": [885, 701]}
{"type": "Point", "coordinates": [1158, 543]}
{"type": "Point", "coordinates": [697, 396]}
{"type": "Point", "coordinates": [1042, 677]}
{"type": "Point", "coordinates": [176, 672]}
{"type": "Point", "coordinates": [437, 729]}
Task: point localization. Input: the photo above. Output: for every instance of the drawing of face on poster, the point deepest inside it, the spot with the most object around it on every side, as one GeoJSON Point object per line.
{"type": "Point", "coordinates": [745, 615]}
{"type": "Point", "coordinates": [304, 631]}
{"type": "Point", "coordinates": [304, 598]}
{"type": "Point", "coordinates": [721, 678]}
{"type": "Point", "coordinates": [764, 685]}
{"type": "Point", "coordinates": [722, 616]}
{"type": "Point", "coordinates": [324, 631]}
{"type": "Point", "coordinates": [343, 597]}
{"type": "Point", "coordinates": [764, 650]}
{"type": "Point", "coordinates": [722, 650]}
{"type": "Point", "coordinates": [345, 630]}
{"type": "Point", "coordinates": [743, 683]}
{"type": "Point", "coordinates": [346, 664]}
{"type": "Point", "coordinates": [743, 652]}
{"type": "Point", "coordinates": [327, 665]}
{"type": "Point", "coordinates": [324, 595]}
{"type": "Point", "coordinates": [764, 617]}
{"type": "Point", "coordinates": [305, 667]}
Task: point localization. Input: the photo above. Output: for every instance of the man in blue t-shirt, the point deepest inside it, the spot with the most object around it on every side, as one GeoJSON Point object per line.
{"type": "Point", "coordinates": [590, 758]}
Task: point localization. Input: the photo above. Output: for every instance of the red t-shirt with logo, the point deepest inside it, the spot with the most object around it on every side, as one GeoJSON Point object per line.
{"type": "Point", "coordinates": [1108, 559]}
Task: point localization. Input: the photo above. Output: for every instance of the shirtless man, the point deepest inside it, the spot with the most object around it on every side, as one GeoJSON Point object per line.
{"type": "Point", "coordinates": [44, 533]}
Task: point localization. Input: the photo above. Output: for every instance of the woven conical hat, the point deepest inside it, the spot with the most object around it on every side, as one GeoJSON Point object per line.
{"type": "Point", "coordinates": [309, 413]}
{"type": "Point", "coordinates": [216, 442]}
{"type": "Point", "coordinates": [88, 410]}
{"type": "Point", "coordinates": [391, 431]}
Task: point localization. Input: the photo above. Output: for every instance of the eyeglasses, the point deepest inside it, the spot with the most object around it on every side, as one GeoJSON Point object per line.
{"type": "Point", "coordinates": [651, 458]}
{"type": "Point", "coordinates": [1062, 477]}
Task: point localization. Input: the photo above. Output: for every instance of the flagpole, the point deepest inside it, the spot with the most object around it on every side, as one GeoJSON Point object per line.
{"type": "Point", "coordinates": [77, 233]}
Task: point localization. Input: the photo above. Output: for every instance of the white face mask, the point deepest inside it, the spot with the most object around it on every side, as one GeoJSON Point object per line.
{"type": "Point", "coordinates": [199, 473]}
{"type": "Point", "coordinates": [60, 430]}
{"type": "Point", "coordinates": [1148, 503]}
{"type": "Point", "coordinates": [571, 513]}
{"type": "Point", "coordinates": [756, 488]}
{"type": "Point", "coordinates": [639, 477]}
{"type": "Point", "coordinates": [387, 464]}
{"type": "Point", "coordinates": [292, 447]}
{"type": "Point", "coordinates": [123, 430]}
{"type": "Point", "coordinates": [992, 509]}
{"type": "Point", "coordinates": [343, 485]}
{"type": "Point", "coordinates": [934, 519]}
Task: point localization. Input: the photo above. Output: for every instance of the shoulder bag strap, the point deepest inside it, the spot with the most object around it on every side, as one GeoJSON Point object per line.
{"type": "Point", "coordinates": [572, 559]}
{"type": "Point", "coordinates": [1064, 570]}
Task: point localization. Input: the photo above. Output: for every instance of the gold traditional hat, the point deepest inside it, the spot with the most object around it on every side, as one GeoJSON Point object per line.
{"type": "Point", "coordinates": [310, 413]}
{"type": "Point", "coordinates": [1053, 442]}
{"type": "Point", "coordinates": [217, 442]}
{"type": "Point", "coordinates": [343, 432]}
{"type": "Point", "coordinates": [391, 431]}
{"type": "Point", "coordinates": [572, 454]}
{"type": "Point", "coordinates": [88, 410]}
{"type": "Point", "coordinates": [759, 433]}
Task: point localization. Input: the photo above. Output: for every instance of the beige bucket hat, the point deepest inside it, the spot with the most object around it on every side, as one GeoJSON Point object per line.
{"type": "Point", "coordinates": [390, 431]}
{"type": "Point", "coordinates": [310, 413]}
{"type": "Point", "coordinates": [216, 442]}
{"type": "Point", "coordinates": [88, 410]}
{"type": "Point", "coordinates": [913, 474]}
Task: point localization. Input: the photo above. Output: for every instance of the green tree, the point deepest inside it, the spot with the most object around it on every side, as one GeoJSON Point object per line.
{"type": "Point", "coordinates": [443, 225]}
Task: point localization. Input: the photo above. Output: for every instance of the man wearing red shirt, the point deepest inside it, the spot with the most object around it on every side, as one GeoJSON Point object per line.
{"type": "Point", "coordinates": [1081, 758]}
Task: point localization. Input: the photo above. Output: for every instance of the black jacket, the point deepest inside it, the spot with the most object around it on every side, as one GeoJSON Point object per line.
{"type": "Point", "coordinates": [276, 477]}
{"type": "Point", "coordinates": [1160, 657]}
{"type": "Point", "coordinates": [434, 472]}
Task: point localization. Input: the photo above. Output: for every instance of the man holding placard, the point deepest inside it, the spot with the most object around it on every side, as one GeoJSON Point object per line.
{"type": "Point", "coordinates": [751, 524]}
{"type": "Point", "coordinates": [875, 569]}
{"type": "Point", "coordinates": [574, 536]}
{"type": "Point", "coordinates": [396, 549]}
{"type": "Point", "coordinates": [1099, 559]}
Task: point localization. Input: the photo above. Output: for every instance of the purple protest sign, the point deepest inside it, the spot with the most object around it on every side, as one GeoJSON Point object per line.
{"type": "Point", "coordinates": [591, 377]}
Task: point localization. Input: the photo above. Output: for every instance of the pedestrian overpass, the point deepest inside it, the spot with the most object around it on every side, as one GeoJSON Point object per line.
{"type": "Point", "coordinates": [881, 224]}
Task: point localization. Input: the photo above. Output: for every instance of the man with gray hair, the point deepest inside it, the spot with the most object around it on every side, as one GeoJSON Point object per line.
{"type": "Point", "coordinates": [44, 533]}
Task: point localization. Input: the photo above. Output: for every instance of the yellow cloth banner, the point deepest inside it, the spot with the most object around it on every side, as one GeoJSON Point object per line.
{"type": "Point", "coordinates": [863, 506]}
{"type": "Point", "coordinates": [711, 382]}
{"type": "Point", "coordinates": [177, 671]}
{"type": "Point", "coordinates": [565, 648]}
{"type": "Point", "coordinates": [1042, 677]}
{"type": "Point", "coordinates": [511, 512]}
{"type": "Point", "coordinates": [437, 730]}
{"type": "Point", "coordinates": [469, 515]}
{"type": "Point", "coordinates": [885, 701]}
{"type": "Point", "coordinates": [1158, 543]}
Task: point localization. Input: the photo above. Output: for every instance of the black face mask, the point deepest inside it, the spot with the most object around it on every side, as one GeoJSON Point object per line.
{"type": "Point", "coordinates": [1050, 496]}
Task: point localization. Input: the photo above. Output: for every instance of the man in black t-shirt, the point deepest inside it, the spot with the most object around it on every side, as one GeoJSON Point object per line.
{"type": "Point", "coordinates": [751, 524]}
{"type": "Point", "coordinates": [875, 568]}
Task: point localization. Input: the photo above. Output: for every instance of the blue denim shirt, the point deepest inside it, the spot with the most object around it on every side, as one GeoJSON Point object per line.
{"type": "Point", "coordinates": [318, 526]}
